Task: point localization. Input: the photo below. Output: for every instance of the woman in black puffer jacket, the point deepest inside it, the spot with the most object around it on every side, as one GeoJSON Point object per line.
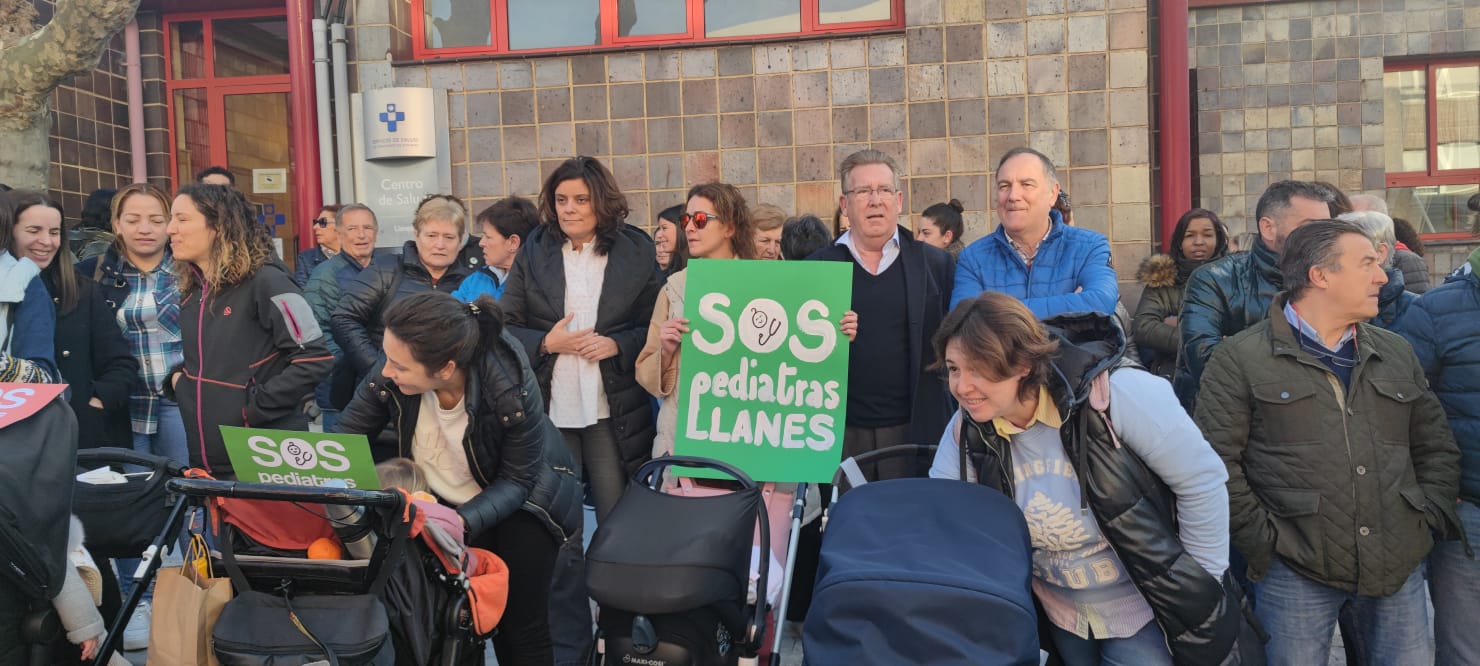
{"type": "Point", "coordinates": [580, 296]}
{"type": "Point", "coordinates": [470, 416]}
{"type": "Point", "coordinates": [435, 261]}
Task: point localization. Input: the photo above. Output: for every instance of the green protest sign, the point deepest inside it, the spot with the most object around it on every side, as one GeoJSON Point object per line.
{"type": "Point", "coordinates": [293, 458]}
{"type": "Point", "coordinates": [763, 381]}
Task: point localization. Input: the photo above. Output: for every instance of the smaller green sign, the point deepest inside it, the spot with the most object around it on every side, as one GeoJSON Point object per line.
{"type": "Point", "coordinates": [293, 458]}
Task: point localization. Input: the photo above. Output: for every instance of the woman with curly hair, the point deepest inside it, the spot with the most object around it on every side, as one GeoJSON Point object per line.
{"type": "Point", "coordinates": [252, 347]}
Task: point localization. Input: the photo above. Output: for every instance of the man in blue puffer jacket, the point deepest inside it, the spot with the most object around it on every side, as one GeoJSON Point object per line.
{"type": "Point", "coordinates": [1033, 256]}
{"type": "Point", "coordinates": [1444, 327]}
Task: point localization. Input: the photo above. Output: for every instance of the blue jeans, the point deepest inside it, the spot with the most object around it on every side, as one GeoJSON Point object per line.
{"type": "Point", "coordinates": [1300, 614]}
{"type": "Point", "coordinates": [1454, 586]}
{"type": "Point", "coordinates": [169, 439]}
{"type": "Point", "coordinates": [1147, 648]}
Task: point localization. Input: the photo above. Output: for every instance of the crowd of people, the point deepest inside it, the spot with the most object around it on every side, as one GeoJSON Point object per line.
{"type": "Point", "coordinates": [1281, 438]}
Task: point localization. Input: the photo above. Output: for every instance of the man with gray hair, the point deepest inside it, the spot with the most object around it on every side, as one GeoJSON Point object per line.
{"type": "Point", "coordinates": [901, 288]}
{"type": "Point", "coordinates": [358, 230]}
{"type": "Point", "coordinates": [1342, 472]}
{"type": "Point", "coordinates": [1394, 299]}
{"type": "Point", "coordinates": [1033, 255]}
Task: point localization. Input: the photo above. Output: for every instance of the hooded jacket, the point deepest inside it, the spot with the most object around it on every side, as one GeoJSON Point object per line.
{"type": "Point", "coordinates": [1161, 297]}
{"type": "Point", "coordinates": [253, 352]}
{"type": "Point", "coordinates": [534, 300]}
{"type": "Point", "coordinates": [516, 455]}
{"type": "Point", "coordinates": [358, 329]}
{"type": "Point", "coordinates": [1200, 615]}
{"type": "Point", "coordinates": [1222, 298]}
{"type": "Point", "coordinates": [1444, 328]}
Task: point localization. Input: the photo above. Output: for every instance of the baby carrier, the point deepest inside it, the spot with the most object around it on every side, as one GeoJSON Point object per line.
{"type": "Point", "coordinates": [671, 573]}
{"type": "Point", "coordinates": [923, 571]}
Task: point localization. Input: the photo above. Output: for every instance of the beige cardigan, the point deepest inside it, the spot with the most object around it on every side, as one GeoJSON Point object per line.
{"type": "Point", "coordinates": [650, 372]}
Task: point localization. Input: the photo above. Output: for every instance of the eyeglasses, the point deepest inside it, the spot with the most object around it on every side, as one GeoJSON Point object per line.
{"type": "Point", "coordinates": [868, 194]}
{"type": "Point", "coordinates": [321, 222]}
{"type": "Point", "coordinates": [700, 220]}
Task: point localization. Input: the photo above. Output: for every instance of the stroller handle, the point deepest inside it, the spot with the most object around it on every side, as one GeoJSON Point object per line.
{"type": "Point", "coordinates": [263, 491]}
{"type": "Point", "coordinates": [886, 453]}
{"type": "Point", "coordinates": [648, 473]}
{"type": "Point", "coordinates": [108, 455]}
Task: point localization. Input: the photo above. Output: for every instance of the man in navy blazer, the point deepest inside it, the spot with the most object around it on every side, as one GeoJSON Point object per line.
{"type": "Point", "coordinates": [901, 291]}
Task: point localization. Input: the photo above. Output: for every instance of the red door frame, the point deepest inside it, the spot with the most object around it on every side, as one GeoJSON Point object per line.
{"type": "Point", "coordinates": [217, 89]}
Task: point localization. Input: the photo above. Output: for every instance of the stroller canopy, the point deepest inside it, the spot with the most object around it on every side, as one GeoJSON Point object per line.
{"type": "Point", "coordinates": [923, 571]}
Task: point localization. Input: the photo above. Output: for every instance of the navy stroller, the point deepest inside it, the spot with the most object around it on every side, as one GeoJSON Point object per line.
{"type": "Point", "coordinates": [923, 571]}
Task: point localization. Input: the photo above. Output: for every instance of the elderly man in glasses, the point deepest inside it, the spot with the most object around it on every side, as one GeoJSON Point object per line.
{"type": "Point", "coordinates": [1033, 255]}
{"type": "Point", "coordinates": [326, 244]}
{"type": "Point", "coordinates": [900, 291]}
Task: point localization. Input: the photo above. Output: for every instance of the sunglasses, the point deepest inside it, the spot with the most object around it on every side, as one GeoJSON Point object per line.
{"type": "Point", "coordinates": [321, 222]}
{"type": "Point", "coordinates": [699, 220]}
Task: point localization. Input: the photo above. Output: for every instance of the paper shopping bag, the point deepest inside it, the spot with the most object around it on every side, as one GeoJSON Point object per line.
{"type": "Point", "coordinates": [186, 606]}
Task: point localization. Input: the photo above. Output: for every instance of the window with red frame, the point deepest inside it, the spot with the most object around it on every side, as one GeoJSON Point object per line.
{"type": "Point", "coordinates": [464, 27]}
{"type": "Point", "coordinates": [1431, 143]}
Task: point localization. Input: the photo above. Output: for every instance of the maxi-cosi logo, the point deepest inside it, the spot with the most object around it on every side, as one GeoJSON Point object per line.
{"type": "Point", "coordinates": [629, 659]}
{"type": "Point", "coordinates": [390, 116]}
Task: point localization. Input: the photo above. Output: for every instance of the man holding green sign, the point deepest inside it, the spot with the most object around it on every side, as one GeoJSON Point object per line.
{"type": "Point", "coordinates": [901, 292]}
{"type": "Point", "coordinates": [763, 383]}
{"type": "Point", "coordinates": [289, 457]}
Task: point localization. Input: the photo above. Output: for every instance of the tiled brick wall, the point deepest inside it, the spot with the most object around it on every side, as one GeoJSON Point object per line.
{"type": "Point", "coordinates": [89, 129]}
{"type": "Point", "coordinates": [965, 82]}
{"type": "Point", "coordinates": [1294, 90]}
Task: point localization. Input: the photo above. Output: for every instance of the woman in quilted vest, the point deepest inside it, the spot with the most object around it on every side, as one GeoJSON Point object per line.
{"type": "Point", "coordinates": [1098, 456]}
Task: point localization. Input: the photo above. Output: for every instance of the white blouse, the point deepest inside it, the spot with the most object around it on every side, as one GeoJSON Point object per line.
{"type": "Point", "coordinates": [577, 397]}
{"type": "Point", "coordinates": [437, 449]}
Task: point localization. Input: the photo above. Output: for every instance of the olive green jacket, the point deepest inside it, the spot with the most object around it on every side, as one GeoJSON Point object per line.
{"type": "Point", "coordinates": [1349, 488]}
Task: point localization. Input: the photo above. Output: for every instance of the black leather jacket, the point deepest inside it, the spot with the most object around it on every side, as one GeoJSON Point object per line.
{"type": "Point", "coordinates": [1223, 298]}
{"type": "Point", "coordinates": [516, 455]}
{"type": "Point", "coordinates": [356, 321]}
{"type": "Point", "coordinates": [1200, 615]}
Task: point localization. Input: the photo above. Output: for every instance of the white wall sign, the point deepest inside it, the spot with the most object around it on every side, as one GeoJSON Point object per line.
{"type": "Point", "coordinates": [399, 122]}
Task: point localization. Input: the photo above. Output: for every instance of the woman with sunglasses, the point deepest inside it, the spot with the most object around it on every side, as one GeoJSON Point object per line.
{"type": "Point", "coordinates": [325, 245]}
{"type": "Point", "coordinates": [137, 281]}
{"type": "Point", "coordinates": [266, 350]}
{"type": "Point", "coordinates": [580, 298]}
{"type": "Point", "coordinates": [91, 353]}
{"type": "Point", "coordinates": [715, 225]}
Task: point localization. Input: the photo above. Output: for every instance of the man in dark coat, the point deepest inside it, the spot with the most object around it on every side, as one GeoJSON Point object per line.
{"type": "Point", "coordinates": [1342, 473]}
{"type": "Point", "coordinates": [1233, 293]}
{"type": "Point", "coordinates": [901, 292]}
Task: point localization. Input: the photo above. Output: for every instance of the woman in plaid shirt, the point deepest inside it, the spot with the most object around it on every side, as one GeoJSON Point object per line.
{"type": "Point", "coordinates": [136, 277]}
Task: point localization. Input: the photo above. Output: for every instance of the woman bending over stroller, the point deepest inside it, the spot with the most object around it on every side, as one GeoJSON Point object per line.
{"type": "Point", "coordinates": [1100, 458]}
{"type": "Point", "coordinates": [466, 408]}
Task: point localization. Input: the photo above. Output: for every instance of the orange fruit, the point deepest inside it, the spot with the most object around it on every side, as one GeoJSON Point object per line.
{"type": "Point", "coordinates": [324, 548]}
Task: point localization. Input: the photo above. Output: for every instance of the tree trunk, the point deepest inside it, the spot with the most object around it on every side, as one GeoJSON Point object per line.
{"type": "Point", "coordinates": [33, 66]}
{"type": "Point", "coordinates": [25, 153]}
